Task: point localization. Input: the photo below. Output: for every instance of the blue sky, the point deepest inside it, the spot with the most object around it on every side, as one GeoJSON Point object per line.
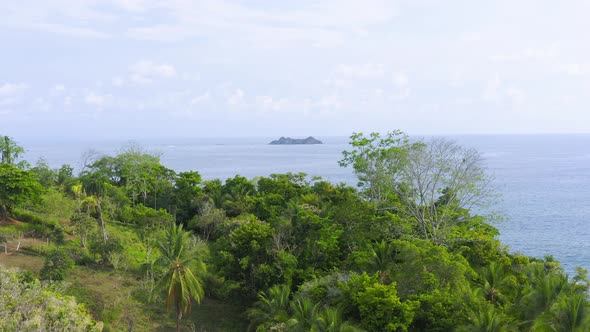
{"type": "Point", "coordinates": [179, 68]}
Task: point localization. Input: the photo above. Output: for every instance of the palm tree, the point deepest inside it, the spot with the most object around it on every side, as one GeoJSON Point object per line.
{"type": "Point", "coordinates": [305, 315]}
{"type": "Point", "coordinates": [570, 313]}
{"type": "Point", "coordinates": [77, 190]}
{"type": "Point", "coordinates": [179, 282]}
{"type": "Point", "coordinates": [382, 254]}
{"type": "Point", "coordinates": [270, 309]}
{"type": "Point", "coordinates": [544, 289]}
{"type": "Point", "coordinates": [93, 203]}
{"type": "Point", "coordinates": [487, 319]}
{"type": "Point", "coordinates": [330, 320]}
{"type": "Point", "coordinates": [495, 283]}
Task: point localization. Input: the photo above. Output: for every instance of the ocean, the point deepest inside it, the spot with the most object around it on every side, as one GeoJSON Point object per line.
{"type": "Point", "coordinates": [543, 180]}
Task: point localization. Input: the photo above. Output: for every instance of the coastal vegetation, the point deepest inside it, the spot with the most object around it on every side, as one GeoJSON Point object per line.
{"type": "Point", "coordinates": [291, 141]}
{"type": "Point", "coordinates": [128, 244]}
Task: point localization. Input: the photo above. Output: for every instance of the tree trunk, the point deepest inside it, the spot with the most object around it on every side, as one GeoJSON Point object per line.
{"type": "Point", "coordinates": [3, 213]}
{"type": "Point", "coordinates": [178, 315]}
{"type": "Point", "coordinates": [101, 221]}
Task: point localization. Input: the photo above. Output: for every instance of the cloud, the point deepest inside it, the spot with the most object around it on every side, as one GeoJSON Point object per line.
{"type": "Point", "coordinates": [271, 104]}
{"type": "Point", "coordinates": [69, 30]}
{"type": "Point", "coordinates": [200, 99]}
{"type": "Point", "coordinates": [402, 88]}
{"type": "Point", "coordinates": [79, 18]}
{"type": "Point", "coordinates": [145, 71]}
{"type": "Point", "coordinates": [59, 88]}
{"type": "Point", "coordinates": [525, 55]}
{"type": "Point", "coordinates": [308, 21]}
{"type": "Point", "coordinates": [132, 5]}
{"type": "Point", "coordinates": [118, 81]}
{"type": "Point", "coordinates": [400, 79]}
{"type": "Point", "coordinates": [363, 71]}
{"type": "Point", "coordinates": [492, 89]}
{"type": "Point", "coordinates": [12, 89]}
{"type": "Point", "coordinates": [236, 98]}
{"type": "Point", "coordinates": [576, 69]}
{"type": "Point", "coordinates": [331, 101]}
{"type": "Point", "coordinates": [95, 99]}
{"type": "Point", "coordinates": [515, 94]}
{"type": "Point", "coordinates": [318, 24]}
{"type": "Point", "coordinates": [11, 93]}
{"type": "Point", "coordinates": [495, 91]}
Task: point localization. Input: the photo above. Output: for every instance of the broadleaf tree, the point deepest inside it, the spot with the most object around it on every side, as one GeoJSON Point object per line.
{"type": "Point", "coordinates": [433, 183]}
{"type": "Point", "coordinates": [17, 186]}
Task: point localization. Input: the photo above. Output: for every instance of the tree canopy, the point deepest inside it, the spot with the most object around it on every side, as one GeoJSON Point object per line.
{"type": "Point", "coordinates": [402, 251]}
{"type": "Point", "coordinates": [17, 186]}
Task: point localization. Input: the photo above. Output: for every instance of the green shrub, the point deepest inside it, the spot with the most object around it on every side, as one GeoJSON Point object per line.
{"type": "Point", "coordinates": [57, 235]}
{"type": "Point", "coordinates": [28, 217]}
{"type": "Point", "coordinates": [57, 265]}
{"type": "Point", "coordinates": [36, 226]}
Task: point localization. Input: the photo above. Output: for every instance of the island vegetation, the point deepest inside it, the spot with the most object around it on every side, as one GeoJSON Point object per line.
{"type": "Point", "coordinates": [291, 141]}
{"type": "Point", "coordinates": [128, 244]}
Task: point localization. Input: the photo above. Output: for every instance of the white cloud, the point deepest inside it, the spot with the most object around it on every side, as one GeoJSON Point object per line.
{"type": "Point", "coordinates": [12, 89]}
{"type": "Point", "coordinates": [59, 87]}
{"type": "Point", "coordinates": [57, 90]}
{"type": "Point", "coordinates": [42, 105]}
{"type": "Point", "coordinates": [576, 69]}
{"type": "Point", "coordinates": [318, 24]}
{"type": "Point", "coordinates": [401, 94]}
{"type": "Point", "coordinates": [271, 104]}
{"type": "Point", "coordinates": [400, 79]}
{"type": "Point", "coordinates": [330, 101]}
{"type": "Point", "coordinates": [160, 32]}
{"type": "Point", "coordinates": [401, 83]}
{"type": "Point", "coordinates": [363, 71]}
{"type": "Point", "coordinates": [200, 99]}
{"type": "Point", "coordinates": [147, 71]}
{"type": "Point", "coordinates": [118, 81]}
{"type": "Point", "coordinates": [495, 91]}
{"type": "Point", "coordinates": [492, 89]}
{"type": "Point", "coordinates": [236, 98]}
{"type": "Point", "coordinates": [70, 30]}
{"type": "Point", "coordinates": [132, 5]}
{"type": "Point", "coordinates": [515, 94]}
{"type": "Point", "coordinates": [95, 99]}
{"type": "Point", "coordinates": [11, 93]}
{"type": "Point", "coordinates": [525, 55]}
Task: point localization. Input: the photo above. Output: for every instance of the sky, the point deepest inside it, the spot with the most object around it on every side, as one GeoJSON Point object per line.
{"type": "Point", "coordinates": [136, 69]}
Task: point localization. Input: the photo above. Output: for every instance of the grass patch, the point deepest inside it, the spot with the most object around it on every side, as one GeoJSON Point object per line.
{"type": "Point", "coordinates": [117, 297]}
{"type": "Point", "coordinates": [21, 260]}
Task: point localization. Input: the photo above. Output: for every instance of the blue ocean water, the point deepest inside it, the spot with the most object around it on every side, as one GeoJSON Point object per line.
{"type": "Point", "coordinates": [543, 180]}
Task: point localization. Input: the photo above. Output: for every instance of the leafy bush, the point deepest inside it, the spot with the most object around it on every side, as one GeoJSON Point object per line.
{"type": "Point", "coordinates": [28, 305]}
{"type": "Point", "coordinates": [27, 216]}
{"type": "Point", "coordinates": [37, 226]}
{"type": "Point", "coordinates": [57, 265]}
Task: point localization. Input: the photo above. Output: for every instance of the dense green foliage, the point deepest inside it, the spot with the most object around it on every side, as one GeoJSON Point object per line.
{"type": "Point", "coordinates": [403, 253]}
{"type": "Point", "coordinates": [17, 186]}
{"type": "Point", "coordinates": [28, 305]}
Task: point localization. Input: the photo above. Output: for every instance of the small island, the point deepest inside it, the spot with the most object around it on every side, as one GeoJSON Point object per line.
{"type": "Point", "coordinates": [289, 140]}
